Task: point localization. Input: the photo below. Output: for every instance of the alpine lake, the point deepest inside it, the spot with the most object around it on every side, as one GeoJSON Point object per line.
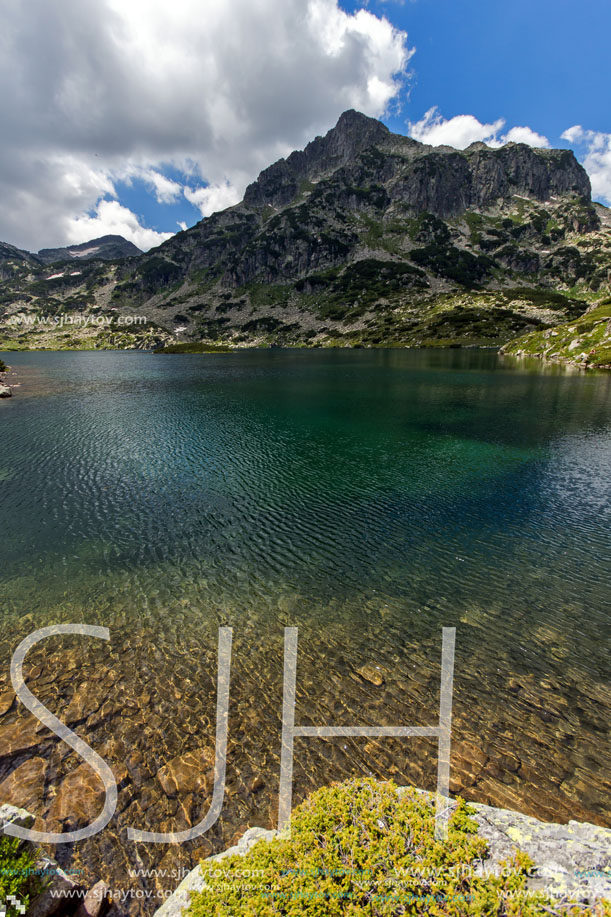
{"type": "Point", "coordinates": [369, 498]}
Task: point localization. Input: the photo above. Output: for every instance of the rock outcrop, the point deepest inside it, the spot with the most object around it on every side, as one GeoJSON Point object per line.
{"type": "Point", "coordinates": [573, 862]}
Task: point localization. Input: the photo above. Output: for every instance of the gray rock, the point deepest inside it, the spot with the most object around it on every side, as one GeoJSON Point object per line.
{"type": "Point", "coordinates": [195, 882]}
{"type": "Point", "coordinates": [95, 903]}
{"type": "Point", "coordinates": [12, 815]}
{"type": "Point", "coordinates": [5, 390]}
{"type": "Point", "coordinates": [571, 860]}
{"type": "Point", "coordinates": [58, 892]}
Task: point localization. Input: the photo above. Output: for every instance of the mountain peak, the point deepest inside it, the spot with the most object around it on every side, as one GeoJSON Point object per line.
{"type": "Point", "coordinates": [106, 247]}
{"type": "Point", "coordinates": [350, 119]}
{"type": "Point", "coordinates": [279, 183]}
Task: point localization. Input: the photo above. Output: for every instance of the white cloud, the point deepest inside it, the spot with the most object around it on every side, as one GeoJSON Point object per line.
{"type": "Point", "coordinates": [462, 130]}
{"type": "Point", "coordinates": [213, 198]}
{"type": "Point", "coordinates": [595, 154]}
{"type": "Point", "coordinates": [111, 91]}
{"type": "Point", "coordinates": [112, 218]}
{"type": "Point", "coordinates": [166, 190]}
{"type": "Point", "coordinates": [574, 134]}
{"type": "Point", "coordinates": [526, 135]}
{"type": "Point", "coordinates": [458, 132]}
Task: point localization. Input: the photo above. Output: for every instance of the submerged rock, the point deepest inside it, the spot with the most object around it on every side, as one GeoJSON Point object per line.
{"type": "Point", "coordinates": [26, 784]}
{"type": "Point", "coordinates": [79, 800]}
{"type": "Point", "coordinates": [372, 674]}
{"type": "Point", "coordinates": [188, 773]}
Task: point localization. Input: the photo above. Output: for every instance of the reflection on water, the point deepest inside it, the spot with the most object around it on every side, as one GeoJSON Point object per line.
{"type": "Point", "coordinates": [367, 497]}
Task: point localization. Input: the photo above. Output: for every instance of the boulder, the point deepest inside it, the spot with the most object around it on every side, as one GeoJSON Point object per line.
{"type": "Point", "coordinates": [372, 674]}
{"type": "Point", "coordinates": [57, 896]}
{"type": "Point", "coordinates": [96, 902]}
{"type": "Point", "coordinates": [12, 815]}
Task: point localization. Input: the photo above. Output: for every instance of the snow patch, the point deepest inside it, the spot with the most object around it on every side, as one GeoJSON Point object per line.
{"type": "Point", "coordinates": [84, 252]}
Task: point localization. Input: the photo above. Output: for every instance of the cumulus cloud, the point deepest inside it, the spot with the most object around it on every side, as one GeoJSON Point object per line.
{"type": "Point", "coordinates": [214, 197]}
{"type": "Point", "coordinates": [595, 150]}
{"type": "Point", "coordinates": [463, 130]}
{"type": "Point", "coordinates": [526, 135]}
{"type": "Point", "coordinates": [167, 191]}
{"type": "Point", "coordinates": [458, 132]}
{"type": "Point", "coordinates": [111, 91]}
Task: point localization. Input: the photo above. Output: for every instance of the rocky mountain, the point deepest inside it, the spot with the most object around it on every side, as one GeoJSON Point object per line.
{"type": "Point", "coordinates": [108, 248]}
{"type": "Point", "coordinates": [365, 238]}
{"type": "Point", "coordinates": [13, 259]}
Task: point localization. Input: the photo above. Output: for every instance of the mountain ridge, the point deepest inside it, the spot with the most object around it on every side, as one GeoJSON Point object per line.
{"type": "Point", "coordinates": [366, 237]}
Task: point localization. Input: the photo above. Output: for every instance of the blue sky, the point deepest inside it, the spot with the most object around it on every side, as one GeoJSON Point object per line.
{"type": "Point", "coordinates": [544, 63]}
{"type": "Point", "coordinates": [141, 118]}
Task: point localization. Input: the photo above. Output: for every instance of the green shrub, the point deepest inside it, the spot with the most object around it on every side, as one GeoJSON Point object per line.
{"type": "Point", "coordinates": [3, 367]}
{"type": "Point", "coordinates": [361, 849]}
{"type": "Point", "coordinates": [16, 873]}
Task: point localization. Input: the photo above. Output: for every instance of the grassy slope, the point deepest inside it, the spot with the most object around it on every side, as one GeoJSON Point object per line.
{"type": "Point", "coordinates": [586, 341]}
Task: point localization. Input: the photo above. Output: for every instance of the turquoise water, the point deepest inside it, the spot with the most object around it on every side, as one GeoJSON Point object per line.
{"type": "Point", "coordinates": [369, 497]}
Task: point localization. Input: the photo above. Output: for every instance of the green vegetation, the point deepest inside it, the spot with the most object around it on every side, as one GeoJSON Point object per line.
{"type": "Point", "coordinates": [195, 347]}
{"type": "Point", "coordinates": [17, 865]}
{"type": "Point", "coordinates": [475, 222]}
{"type": "Point", "coordinates": [453, 263]}
{"type": "Point", "coordinates": [586, 340]}
{"type": "Point", "coordinates": [426, 227]}
{"type": "Point", "coordinates": [360, 848]}
{"type": "Point", "coordinates": [265, 294]}
{"type": "Point", "coordinates": [347, 295]}
{"type": "Point", "coordinates": [3, 367]}
{"type": "Point", "coordinates": [545, 299]}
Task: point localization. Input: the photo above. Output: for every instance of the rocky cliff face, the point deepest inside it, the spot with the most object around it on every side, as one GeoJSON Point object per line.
{"type": "Point", "coordinates": [368, 237]}
{"type": "Point", "coordinates": [440, 180]}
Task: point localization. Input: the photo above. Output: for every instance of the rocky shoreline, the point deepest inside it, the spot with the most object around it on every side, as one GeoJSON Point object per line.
{"type": "Point", "coordinates": [6, 390]}
{"type": "Point", "coordinates": [584, 342]}
{"type": "Point", "coordinates": [572, 861]}
{"type": "Point", "coordinates": [61, 893]}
